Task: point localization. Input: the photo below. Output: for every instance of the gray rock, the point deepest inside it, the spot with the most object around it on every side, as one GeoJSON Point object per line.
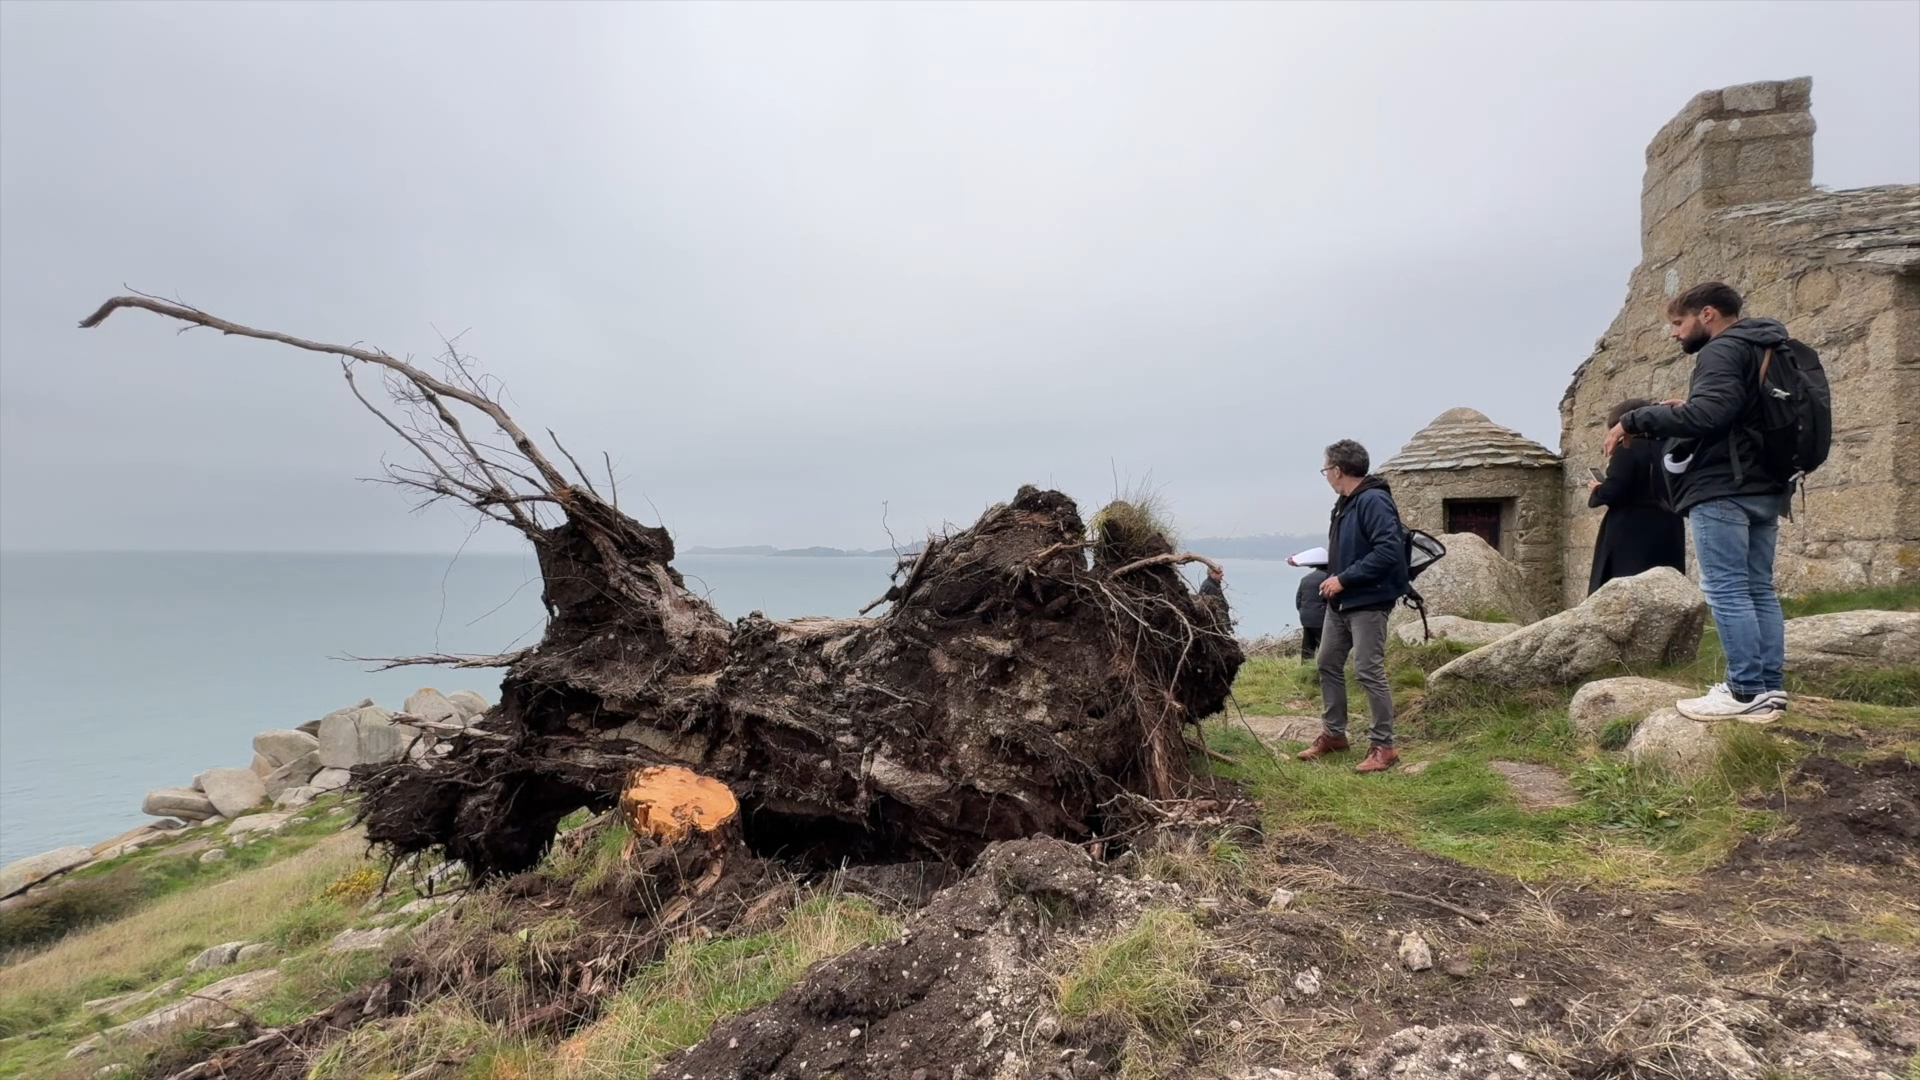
{"type": "Point", "coordinates": [232, 790]}
{"type": "Point", "coordinates": [1455, 628]}
{"type": "Point", "coordinates": [217, 956]}
{"type": "Point", "coordinates": [1472, 582]}
{"type": "Point", "coordinates": [330, 779]}
{"type": "Point", "coordinates": [366, 737]}
{"type": "Point", "coordinates": [297, 797]}
{"type": "Point", "coordinates": [1455, 1050]}
{"type": "Point", "coordinates": [1604, 700]}
{"type": "Point", "coordinates": [257, 823]}
{"type": "Point", "coordinates": [1415, 953]}
{"type": "Point", "coordinates": [293, 774]}
{"type": "Point", "coordinates": [21, 874]}
{"type": "Point", "coordinates": [1642, 621]}
{"type": "Point", "coordinates": [1853, 641]}
{"type": "Point", "coordinates": [178, 802]}
{"type": "Point", "coordinates": [355, 940]}
{"type": "Point", "coordinates": [258, 951]}
{"type": "Point", "coordinates": [1672, 742]}
{"type": "Point", "coordinates": [281, 746]}
{"type": "Point", "coordinates": [260, 766]}
{"type": "Point", "coordinates": [471, 703]}
{"type": "Point", "coordinates": [214, 855]}
{"type": "Point", "coordinates": [207, 1004]}
{"type": "Point", "coordinates": [430, 704]}
{"type": "Point", "coordinates": [107, 1006]}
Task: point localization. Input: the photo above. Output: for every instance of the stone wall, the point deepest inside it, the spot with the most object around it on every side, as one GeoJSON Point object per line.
{"type": "Point", "coordinates": [1728, 196]}
{"type": "Point", "coordinates": [1530, 531]}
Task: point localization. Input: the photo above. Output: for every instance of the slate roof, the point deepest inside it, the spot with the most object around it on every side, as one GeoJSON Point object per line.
{"type": "Point", "coordinates": [1873, 228]}
{"type": "Point", "coordinates": [1465, 439]}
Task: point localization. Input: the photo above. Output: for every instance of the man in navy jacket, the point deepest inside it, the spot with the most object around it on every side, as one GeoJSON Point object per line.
{"type": "Point", "coordinates": [1367, 561]}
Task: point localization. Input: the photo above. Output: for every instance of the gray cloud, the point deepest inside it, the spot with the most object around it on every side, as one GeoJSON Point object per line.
{"type": "Point", "coordinates": [787, 262]}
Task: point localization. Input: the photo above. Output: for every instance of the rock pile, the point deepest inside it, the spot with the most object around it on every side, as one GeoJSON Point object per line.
{"type": "Point", "coordinates": [292, 767]}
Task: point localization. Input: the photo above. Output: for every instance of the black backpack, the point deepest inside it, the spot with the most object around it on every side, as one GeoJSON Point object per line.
{"type": "Point", "coordinates": [1794, 429]}
{"type": "Point", "coordinates": [1422, 550]}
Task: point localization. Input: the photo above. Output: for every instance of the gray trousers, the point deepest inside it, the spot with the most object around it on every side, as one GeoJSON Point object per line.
{"type": "Point", "coordinates": [1364, 635]}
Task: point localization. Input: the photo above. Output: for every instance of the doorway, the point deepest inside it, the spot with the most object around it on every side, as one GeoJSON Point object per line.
{"type": "Point", "coordinates": [1480, 517]}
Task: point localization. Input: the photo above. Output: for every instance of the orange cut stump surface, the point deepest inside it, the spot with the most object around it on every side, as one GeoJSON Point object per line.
{"type": "Point", "coordinates": [666, 802]}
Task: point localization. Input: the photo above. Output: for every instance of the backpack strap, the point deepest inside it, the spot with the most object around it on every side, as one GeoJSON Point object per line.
{"type": "Point", "coordinates": [1733, 446]}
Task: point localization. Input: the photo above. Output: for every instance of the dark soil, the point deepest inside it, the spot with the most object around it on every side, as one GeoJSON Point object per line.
{"type": "Point", "coordinates": [1867, 815]}
{"type": "Point", "coordinates": [1618, 985]}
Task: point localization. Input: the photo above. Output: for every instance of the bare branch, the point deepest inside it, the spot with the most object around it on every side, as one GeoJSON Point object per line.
{"type": "Point", "coordinates": [1165, 560]}
{"type": "Point", "coordinates": [426, 382]}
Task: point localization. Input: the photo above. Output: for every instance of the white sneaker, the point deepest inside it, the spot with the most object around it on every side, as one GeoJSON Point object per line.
{"type": "Point", "coordinates": [1720, 704]}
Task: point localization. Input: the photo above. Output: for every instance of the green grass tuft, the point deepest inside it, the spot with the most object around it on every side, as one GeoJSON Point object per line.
{"type": "Point", "coordinates": [1618, 732]}
{"type": "Point", "coordinates": [1904, 597]}
{"type": "Point", "coordinates": [1149, 975]}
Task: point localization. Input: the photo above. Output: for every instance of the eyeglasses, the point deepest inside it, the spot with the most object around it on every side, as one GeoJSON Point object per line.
{"type": "Point", "coordinates": [1325, 469]}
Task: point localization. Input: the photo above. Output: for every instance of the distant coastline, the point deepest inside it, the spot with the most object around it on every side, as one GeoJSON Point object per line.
{"type": "Point", "coordinates": [1270, 546]}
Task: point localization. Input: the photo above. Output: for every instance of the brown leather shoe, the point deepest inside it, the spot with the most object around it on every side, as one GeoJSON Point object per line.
{"type": "Point", "coordinates": [1379, 759]}
{"type": "Point", "coordinates": [1323, 743]}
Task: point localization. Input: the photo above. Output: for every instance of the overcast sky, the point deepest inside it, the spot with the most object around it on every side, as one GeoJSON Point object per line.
{"type": "Point", "coordinates": [787, 263]}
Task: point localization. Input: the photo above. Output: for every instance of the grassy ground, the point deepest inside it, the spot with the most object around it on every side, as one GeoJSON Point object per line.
{"type": "Point", "coordinates": [293, 891]}
{"type": "Point", "coordinates": [1632, 824]}
{"type": "Point", "coordinates": [1630, 828]}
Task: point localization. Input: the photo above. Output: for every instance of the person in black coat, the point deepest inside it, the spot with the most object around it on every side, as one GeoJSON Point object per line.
{"type": "Point", "coordinates": [1638, 533]}
{"type": "Point", "coordinates": [1308, 601]}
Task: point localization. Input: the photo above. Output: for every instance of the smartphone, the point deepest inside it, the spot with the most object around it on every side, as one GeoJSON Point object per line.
{"type": "Point", "coordinates": [1598, 476]}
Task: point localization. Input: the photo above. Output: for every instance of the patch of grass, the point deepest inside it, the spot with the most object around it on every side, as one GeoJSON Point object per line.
{"type": "Point", "coordinates": [117, 887]}
{"type": "Point", "coordinates": [1618, 732]}
{"type": "Point", "coordinates": [673, 1003]}
{"type": "Point", "coordinates": [1904, 597]}
{"type": "Point", "coordinates": [1213, 867]}
{"type": "Point", "coordinates": [151, 944]}
{"type": "Point", "coordinates": [446, 1030]}
{"type": "Point", "coordinates": [1896, 687]}
{"type": "Point", "coordinates": [1269, 686]}
{"type": "Point", "coordinates": [1631, 825]}
{"type": "Point", "coordinates": [1148, 975]}
{"type": "Point", "coordinates": [1487, 614]}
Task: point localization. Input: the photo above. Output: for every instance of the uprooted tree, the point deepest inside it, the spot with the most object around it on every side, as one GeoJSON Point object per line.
{"type": "Point", "coordinates": [1029, 675]}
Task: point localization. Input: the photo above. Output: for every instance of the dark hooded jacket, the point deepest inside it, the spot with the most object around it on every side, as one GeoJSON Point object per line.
{"type": "Point", "coordinates": [1367, 549]}
{"type": "Point", "coordinates": [1307, 600]}
{"type": "Point", "coordinates": [1719, 420]}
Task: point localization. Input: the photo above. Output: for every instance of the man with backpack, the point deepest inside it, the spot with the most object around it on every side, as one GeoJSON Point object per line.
{"type": "Point", "coordinates": [1757, 417]}
{"type": "Point", "coordinates": [1367, 567]}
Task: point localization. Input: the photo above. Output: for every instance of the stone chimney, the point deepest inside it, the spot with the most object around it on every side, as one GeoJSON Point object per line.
{"type": "Point", "coordinates": [1744, 144]}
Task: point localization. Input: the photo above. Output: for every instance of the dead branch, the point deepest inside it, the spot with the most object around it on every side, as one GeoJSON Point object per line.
{"type": "Point", "coordinates": [1167, 560]}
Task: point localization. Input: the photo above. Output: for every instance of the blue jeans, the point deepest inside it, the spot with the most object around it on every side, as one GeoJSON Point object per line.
{"type": "Point", "coordinates": [1733, 541]}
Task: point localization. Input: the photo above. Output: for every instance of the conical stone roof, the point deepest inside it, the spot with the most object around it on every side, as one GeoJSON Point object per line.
{"type": "Point", "coordinates": [1466, 439]}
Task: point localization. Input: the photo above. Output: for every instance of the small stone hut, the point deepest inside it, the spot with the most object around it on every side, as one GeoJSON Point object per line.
{"type": "Point", "coordinates": [1729, 196]}
{"type": "Point", "coordinates": [1463, 473]}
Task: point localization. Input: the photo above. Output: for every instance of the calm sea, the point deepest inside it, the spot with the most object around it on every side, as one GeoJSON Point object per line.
{"type": "Point", "coordinates": [124, 672]}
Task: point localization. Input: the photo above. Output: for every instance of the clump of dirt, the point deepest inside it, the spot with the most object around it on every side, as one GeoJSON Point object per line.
{"type": "Point", "coordinates": [949, 998]}
{"type": "Point", "coordinates": [1868, 815]}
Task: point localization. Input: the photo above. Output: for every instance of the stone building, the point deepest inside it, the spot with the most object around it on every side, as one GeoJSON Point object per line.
{"type": "Point", "coordinates": [1463, 473]}
{"type": "Point", "coordinates": [1729, 196]}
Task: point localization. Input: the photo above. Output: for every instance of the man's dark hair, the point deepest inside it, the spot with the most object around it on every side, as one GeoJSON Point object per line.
{"type": "Point", "coordinates": [1716, 295]}
{"type": "Point", "coordinates": [1349, 457]}
{"type": "Point", "coordinates": [1614, 414]}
